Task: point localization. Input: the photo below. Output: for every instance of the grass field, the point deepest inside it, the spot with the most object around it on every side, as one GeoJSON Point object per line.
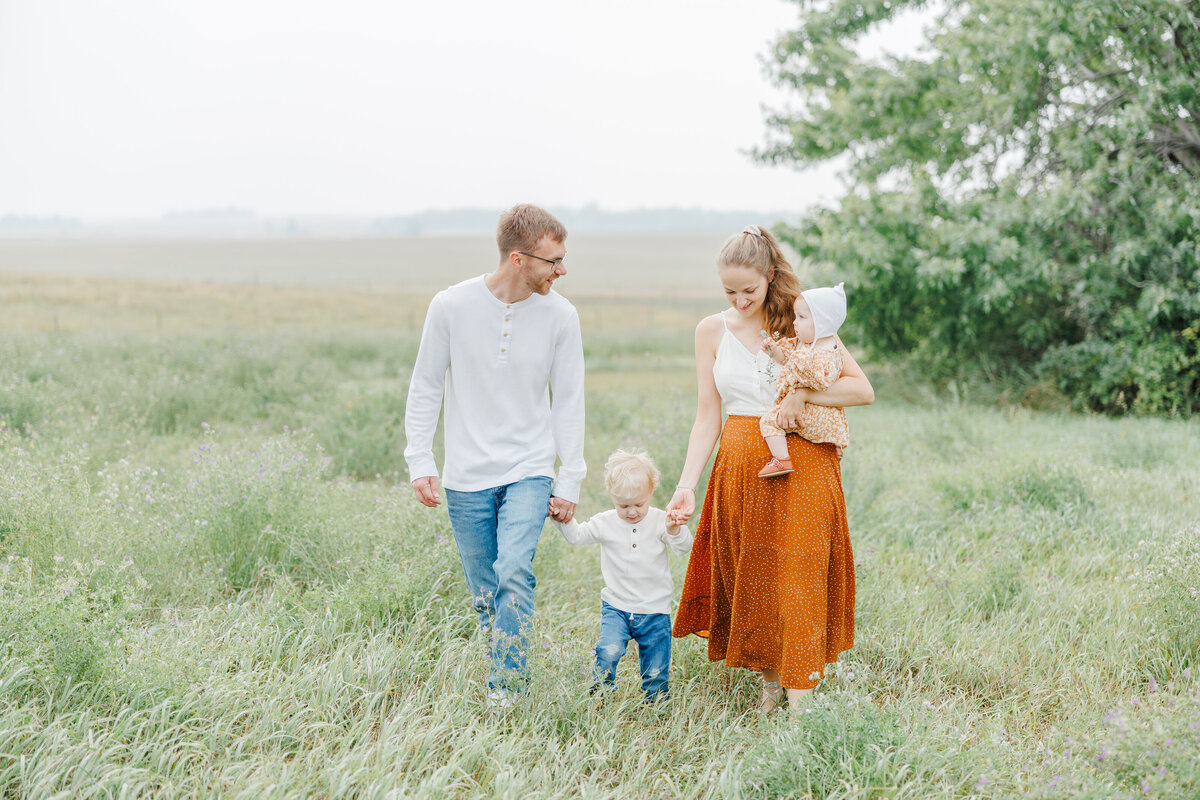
{"type": "Point", "coordinates": [610, 264]}
{"type": "Point", "coordinates": [215, 581]}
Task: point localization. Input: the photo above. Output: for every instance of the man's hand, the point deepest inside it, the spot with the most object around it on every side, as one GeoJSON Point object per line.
{"type": "Point", "coordinates": [561, 510]}
{"type": "Point", "coordinates": [427, 491]}
{"type": "Point", "coordinates": [791, 410]}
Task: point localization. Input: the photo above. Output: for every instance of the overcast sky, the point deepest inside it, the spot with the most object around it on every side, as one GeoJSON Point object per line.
{"type": "Point", "coordinates": [142, 107]}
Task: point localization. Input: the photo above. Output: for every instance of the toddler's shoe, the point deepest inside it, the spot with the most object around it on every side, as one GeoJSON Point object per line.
{"type": "Point", "coordinates": [499, 698]}
{"type": "Point", "coordinates": [776, 466]}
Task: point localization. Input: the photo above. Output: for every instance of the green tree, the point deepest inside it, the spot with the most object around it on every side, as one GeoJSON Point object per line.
{"type": "Point", "coordinates": [1024, 197]}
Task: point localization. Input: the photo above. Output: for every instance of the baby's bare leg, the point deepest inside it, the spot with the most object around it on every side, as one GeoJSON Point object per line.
{"type": "Point", "coordinates": [774, 435]}
{"type": "Point", "coordinates": [778, 446]}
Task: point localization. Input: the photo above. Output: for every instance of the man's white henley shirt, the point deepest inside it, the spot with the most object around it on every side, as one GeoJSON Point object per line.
{"type": "Point", "coordinates": [497, 365]}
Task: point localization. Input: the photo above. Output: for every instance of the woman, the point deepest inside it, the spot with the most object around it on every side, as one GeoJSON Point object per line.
{"type": "Point", "coordinates": [770, 581]}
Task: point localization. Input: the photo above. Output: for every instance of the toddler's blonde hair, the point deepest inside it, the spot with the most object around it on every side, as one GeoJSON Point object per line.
{"type": "Point", "coordinates": [628, 472]}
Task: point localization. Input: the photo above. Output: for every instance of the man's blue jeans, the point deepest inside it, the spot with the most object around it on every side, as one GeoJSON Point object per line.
{"type": "Point", "coordinates": [652, 632]}
{"type": "Point", "coordinates": [497, 532]}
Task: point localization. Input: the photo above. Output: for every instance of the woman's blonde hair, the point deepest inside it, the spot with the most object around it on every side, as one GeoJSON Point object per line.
{"type": "Point", "coordinates": [628, 472]}
{"type": "Point", "coordinates": [756, 248]}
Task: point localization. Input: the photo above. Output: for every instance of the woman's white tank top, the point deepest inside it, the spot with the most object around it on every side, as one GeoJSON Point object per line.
{"type": "Point", "coordinates": [747, 382]}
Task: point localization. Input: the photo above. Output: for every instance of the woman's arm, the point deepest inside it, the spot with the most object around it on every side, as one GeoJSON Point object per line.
{"type": "Point", "coordinates": [852, 389]}
{"type": "Point", "coordinates": [707, 426]}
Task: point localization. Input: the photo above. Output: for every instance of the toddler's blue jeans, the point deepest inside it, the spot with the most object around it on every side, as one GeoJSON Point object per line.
{"type": "Point", "coordinates": [652, 632]}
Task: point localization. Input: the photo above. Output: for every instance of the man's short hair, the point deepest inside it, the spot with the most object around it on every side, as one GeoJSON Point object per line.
{"type": "Point", "coordinates": [627, 473]}
{"type": "Point", "coordinates": [524, 225]}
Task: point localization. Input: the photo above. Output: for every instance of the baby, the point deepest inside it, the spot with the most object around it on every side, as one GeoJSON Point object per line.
{"type": "Point", "coordinates": [635, 602]}
{"type": "Point", "coordinates": [812, 360]}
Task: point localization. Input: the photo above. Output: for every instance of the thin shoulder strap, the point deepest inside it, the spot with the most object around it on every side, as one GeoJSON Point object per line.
{"type": "Point", "coordinates": [723, 322]}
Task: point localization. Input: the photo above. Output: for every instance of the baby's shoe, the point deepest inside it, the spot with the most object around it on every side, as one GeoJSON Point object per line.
{"type": "Point", "coordinates": [776, 466]}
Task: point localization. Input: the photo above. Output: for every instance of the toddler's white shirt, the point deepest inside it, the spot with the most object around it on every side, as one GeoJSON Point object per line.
{"type": "Point", "coordinates": [633, 558]}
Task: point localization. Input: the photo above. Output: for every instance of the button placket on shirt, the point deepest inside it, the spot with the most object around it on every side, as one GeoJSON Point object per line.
{"type": "Point", "coordinates": [505, 343]}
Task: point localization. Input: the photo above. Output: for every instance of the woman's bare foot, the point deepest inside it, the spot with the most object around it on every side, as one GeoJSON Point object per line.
{"type": "Point", "coordinates": [795, 698]}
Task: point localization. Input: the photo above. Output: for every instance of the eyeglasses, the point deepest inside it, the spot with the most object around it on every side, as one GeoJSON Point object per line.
{"type": "Point", "coordinates": [558, 262]}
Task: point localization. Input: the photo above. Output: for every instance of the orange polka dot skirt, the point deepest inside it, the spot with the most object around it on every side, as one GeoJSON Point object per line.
{"type": "Point", "coordinates": [770, 579]}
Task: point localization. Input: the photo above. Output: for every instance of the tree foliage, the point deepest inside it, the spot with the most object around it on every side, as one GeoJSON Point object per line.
{"type": "Point", "coordinates": [1024, 194]}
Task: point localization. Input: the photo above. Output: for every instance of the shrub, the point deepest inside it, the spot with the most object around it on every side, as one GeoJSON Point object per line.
{"type": "Point", "coordinates": [1019, 210]}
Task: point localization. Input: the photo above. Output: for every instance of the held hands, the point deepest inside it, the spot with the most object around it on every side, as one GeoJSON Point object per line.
{"type": "Point", "coordinates": [561, 510]}
{"type": "Point", "coordinates": [675, 522]}
{"type": "Point", "coordinates": [427, 491]}
{"type": "Point", "coordinates": [682, 506]}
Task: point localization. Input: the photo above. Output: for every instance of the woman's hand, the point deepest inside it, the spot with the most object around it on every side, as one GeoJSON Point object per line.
{"type": "Point", "coordinates": [791, 409]}
{"type": "Point", "coordinates": [682, 505]}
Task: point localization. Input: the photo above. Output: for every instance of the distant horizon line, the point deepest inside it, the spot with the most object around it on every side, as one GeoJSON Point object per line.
{"type": "Point", "coordinates": [235, 220]}
{"type": "Point", "coordinates": [233, 211]}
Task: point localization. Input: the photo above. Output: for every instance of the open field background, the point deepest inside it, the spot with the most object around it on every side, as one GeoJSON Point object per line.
{"type": "Point", "coordinates": [657, 281]}
{"type": "Point", "coordinates": [625, 264]}
{"type": "Point", "coordinates": [215, 581]}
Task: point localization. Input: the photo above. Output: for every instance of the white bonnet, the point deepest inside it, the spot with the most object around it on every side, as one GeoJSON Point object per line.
{"type": "Point", "coordinates": [828, 307]}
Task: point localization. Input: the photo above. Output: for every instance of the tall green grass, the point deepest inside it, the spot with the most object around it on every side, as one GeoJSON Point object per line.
{"type": "Point", "coordinates": [215, 583]}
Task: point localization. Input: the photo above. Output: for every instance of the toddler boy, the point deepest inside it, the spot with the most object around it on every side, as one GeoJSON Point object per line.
{"type": "Point", "coordinates": [635, 602]}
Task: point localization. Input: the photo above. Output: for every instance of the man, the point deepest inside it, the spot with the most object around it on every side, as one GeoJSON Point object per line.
{"type": "Point", "coordinates": [505, 351]}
